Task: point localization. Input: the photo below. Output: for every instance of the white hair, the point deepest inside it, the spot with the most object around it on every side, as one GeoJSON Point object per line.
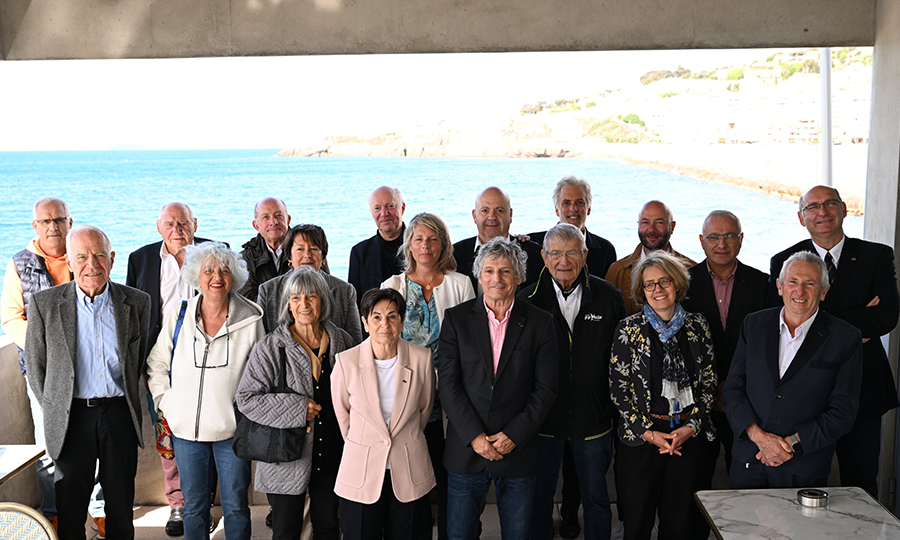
{"type": "Point", "coordinates": [49, 200]}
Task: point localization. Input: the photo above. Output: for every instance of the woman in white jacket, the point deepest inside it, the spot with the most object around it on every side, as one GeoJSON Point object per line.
{"type": "Point", "coordinates": [430, 285]}
{"type": "Point", "coordinates": [194, 385]}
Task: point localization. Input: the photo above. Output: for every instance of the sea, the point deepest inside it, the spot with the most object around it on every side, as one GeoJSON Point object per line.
{"type": "Point", "coordinates": [122, 192]}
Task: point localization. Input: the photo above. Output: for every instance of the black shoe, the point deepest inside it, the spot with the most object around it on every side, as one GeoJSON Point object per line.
{"type": "Point", "coordinates": [570, 528]}
{"type": "Point", "coordinates": [269, 518]}
{"type": "Point", "coordinates": [175, 525]}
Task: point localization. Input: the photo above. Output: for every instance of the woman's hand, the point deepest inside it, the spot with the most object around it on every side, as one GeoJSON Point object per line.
{"type": "Point", "coordinates": [678, 438]}
{"type": "Point", "coordinates": [312, 410]}
{"type": "Point", "coordinates": [658, 438]}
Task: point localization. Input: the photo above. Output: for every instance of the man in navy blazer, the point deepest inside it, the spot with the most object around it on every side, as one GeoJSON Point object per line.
{"type": "Point", "coordinates": [863, 293]}
{"type": "Point", "coordinates": [793, 387]}
{"type": "Point", "coordinates": [498, 372]}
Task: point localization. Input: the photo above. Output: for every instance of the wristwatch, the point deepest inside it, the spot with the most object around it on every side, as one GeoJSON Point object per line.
{"type": "Point", "coordinates": [795, 445]}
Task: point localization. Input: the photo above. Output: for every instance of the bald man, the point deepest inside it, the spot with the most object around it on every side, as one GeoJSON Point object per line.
{"type": "Point", "coordinates": [493, 216]}
{"type": "Point", "coordinates": [655, 227]}
{"type": "Point", "coordinates": [262, 253]}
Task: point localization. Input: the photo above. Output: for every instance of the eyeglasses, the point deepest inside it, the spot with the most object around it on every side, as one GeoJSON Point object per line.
{"type": "Point", "coordinates": [211, 362]}
{"type": "Point", "coordinates": [715, 237]}
{"type": "Point", "coordinates": [831, 204]}
{"type": "Point", "coordinates": [60, 221]}
{"type": "Point", "coordinates": [664, 283]}
{"type": "Point", "coordinates": [568, 254]}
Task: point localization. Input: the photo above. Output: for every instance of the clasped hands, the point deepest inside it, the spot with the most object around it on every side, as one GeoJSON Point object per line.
{"type": "Point", "coordinates": [773, 450]}
{"type": "Point", "coordinates": [669, 443]}
{"type": "Point", "coordinates": [493, 447]}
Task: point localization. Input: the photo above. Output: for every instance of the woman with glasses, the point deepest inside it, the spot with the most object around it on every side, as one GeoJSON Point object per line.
{"type": "Point", "coordinates": [194, 371]}
{"type": "Point", "coordinates": [307, 342]}
{"type": "Point", "coordinates": [429, 286]}
{"type": "Point", "coordinates": [306, 246]}
{"type": "Point", "coordinates": [662, 381]}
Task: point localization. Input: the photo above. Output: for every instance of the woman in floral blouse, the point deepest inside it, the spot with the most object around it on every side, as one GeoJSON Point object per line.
{"type": "Point", "coordinates": [430, 285]}
{"type": "Point", "coordinates": [662, 381]}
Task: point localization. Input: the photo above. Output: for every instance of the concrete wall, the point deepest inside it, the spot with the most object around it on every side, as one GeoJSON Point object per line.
{"type": "Point", "coordinates": [41, 29]}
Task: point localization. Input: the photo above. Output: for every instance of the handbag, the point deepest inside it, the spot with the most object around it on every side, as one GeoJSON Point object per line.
{"type": "Point", "coordinates": [258, 442]}
{"type": "Point", "coordinates": [164, 446]}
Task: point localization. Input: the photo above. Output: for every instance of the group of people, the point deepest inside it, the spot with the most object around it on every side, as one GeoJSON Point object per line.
{"type": "Point", "coordinates": [443, 368]}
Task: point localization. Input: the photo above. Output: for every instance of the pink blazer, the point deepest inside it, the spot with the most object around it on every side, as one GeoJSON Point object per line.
{"type": "Point", "coordinates": [368, 442]}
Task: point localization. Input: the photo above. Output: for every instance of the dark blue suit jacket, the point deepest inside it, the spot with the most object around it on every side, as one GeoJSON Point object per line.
{"type": "Point", "coordinates": [817, 397]}
{"type": "Point", "coordinates": [143, 273]}
{"type": "Point", "coordinates": [866, 270]}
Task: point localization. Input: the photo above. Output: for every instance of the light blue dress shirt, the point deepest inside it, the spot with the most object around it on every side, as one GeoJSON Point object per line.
{"type": "Point", "coordinates": [98, 373]}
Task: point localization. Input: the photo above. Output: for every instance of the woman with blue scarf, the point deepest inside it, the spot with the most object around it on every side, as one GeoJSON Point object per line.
{"type": "Point", "coordinates": [662, 381]}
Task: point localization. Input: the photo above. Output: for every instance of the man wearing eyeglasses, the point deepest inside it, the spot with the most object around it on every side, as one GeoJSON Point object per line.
{"type": "Point", "coordinates": [586, 310]}
{"type": "Point", "coordinates": [156, 270]}
{"type": "Point", "coordinates": [724, 290]}
{"type": "Point", "coordinates": [375, 259]}
{"type": "Point", "coordinates": [41, 265]}
{"type": "Point", "coordinates": [863, 293]}
{"type": "Point", "coordinates": [262, 253]}
{"type": "Point", "coordinates": [655, 227]}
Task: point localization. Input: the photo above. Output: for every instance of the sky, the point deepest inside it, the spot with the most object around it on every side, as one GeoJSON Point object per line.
{"type": "Point", "coordinates": [276, 102]}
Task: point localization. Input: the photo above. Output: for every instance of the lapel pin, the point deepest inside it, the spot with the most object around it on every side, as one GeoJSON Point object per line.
{"type": "Point", "coordinates": [404, 381]}
{"type": "Point", "coordinates": [521, 325]}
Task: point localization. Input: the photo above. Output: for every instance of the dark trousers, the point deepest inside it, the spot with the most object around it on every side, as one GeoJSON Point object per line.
{"type": "Point", "coordinates": [858, 453]}
{"type": "Point", "coordinates": [323, 506]}
{"type": "Point", "coordinates": [571, 491]}
{"type": "Point", "coordinates": [755, 475]}
{"type": "Point", "coordinates": [434, 436]}
{"type": "Point", "coordinates": [652, 484]}
{"type": "Point", "coordinates": [104, 433]}
{"type": "Point", "coordinates": [725, 437]}
{"type": "Point", "coordinates": [386, 518]}
{"type": "Point", "coordinates": [287, 515]}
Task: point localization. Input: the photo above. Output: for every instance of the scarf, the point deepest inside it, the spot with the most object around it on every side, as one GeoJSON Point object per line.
{"type": "Point", "coordinates": [676, 385]}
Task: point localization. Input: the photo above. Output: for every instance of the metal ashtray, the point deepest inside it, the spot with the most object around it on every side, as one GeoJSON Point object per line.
{"type": "Point", "coordinates": [813, 498]}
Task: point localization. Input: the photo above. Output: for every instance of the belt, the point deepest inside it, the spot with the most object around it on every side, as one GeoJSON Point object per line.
{"type": "Point", "coordinates": [680, 416]}
{"type": "Point", "coordinates": [98, 402]}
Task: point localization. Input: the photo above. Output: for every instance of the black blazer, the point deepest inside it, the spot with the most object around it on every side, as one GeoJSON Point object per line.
{"type": "Point", "coordinates": [866, 270]}
{"type": "Point", "coordinates": [601, 253]}
{"type": "Point", "coordinates": [143, 274]}
{"type": "Point", "coordinates": [370, 265]}
{"type": "Point", "coordinates": [817, 397]}
{"type": "Point", "coordinates": [464, 252]}
{"type": "Point", "coordinates": [748, 294]}
{"type": "Point", "coordinates": [515, 402]}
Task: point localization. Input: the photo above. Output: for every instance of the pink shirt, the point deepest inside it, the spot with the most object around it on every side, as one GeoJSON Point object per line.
{"type": "Point", "coordinates": [723, 289]}
{"type": "Point", "coordinates": [498, 333]}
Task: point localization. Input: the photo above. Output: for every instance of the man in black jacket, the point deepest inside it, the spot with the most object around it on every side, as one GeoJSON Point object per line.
{"type": "Point", "coordinates": [585, 310]}
{"type": "Point", "coordinates": [262, 253]}
{"type": "Point", "coordinates": [375, 259]}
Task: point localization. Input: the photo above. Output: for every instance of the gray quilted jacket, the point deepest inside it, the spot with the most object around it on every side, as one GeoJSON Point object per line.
{"type": "Point", "coordinates": [255, 400]}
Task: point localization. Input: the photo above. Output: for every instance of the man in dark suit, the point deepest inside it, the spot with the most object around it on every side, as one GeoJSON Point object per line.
{"type": "Point", "coordinates": [724, 290]}
{"type": "Point", "coordinates": [156, 270]}
{"type": "Point", "coordinates": [863, 293]}
{"type": "Point", "coordinates": [572, 199]}
{"type": "Point", "coordinates": [375, 259]}
{"type": "Point", "coordinates": [493, 216]}
{"type": "Point", "coordinates": [497, 363]}
{"type": "Point", "coordinates": [793, 387]}
{"type": "Point", "coordinates": [85, 352]}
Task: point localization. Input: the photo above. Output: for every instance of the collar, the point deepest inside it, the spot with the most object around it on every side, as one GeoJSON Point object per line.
{"type": "Point", "coordinates": [565, 294]}
{"type": "Point", "coordinates": [99, 301]}
{"type": "Point", "coordinates": [715, 277]}
{"type": "Point", "coordinates": [478, 243]}
{"type": "Point", "coordinates": [164, 251]}
{"type": "Point", "coordinates": [491, 315]}
{"type": "Point", "coordinates": [801, 330]}
{"type": "Point", "coordinates": [835, 251]}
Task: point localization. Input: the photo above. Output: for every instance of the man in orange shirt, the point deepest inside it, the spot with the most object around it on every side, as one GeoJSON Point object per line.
{"type": "Point", "coordinates": [41, 265]}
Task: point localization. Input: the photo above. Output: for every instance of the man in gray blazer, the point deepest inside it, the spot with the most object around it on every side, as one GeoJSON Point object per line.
{"type": "Point", "coordinates": [85, 356]}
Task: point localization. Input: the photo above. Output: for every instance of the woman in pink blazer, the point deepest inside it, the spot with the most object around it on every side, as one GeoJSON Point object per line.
{"type": "Point", "coordinates": [383, 392]}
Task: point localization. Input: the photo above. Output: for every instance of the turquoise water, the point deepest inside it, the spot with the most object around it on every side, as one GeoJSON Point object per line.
{"type": "Point", "coordinates": [122, 191]}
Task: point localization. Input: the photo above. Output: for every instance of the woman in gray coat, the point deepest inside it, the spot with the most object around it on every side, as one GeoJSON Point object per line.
{"type": "Point", "coordinates": [310, 342]}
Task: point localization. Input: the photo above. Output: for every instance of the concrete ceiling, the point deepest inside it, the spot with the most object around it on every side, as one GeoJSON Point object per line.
{"type": "Point", "coordinates": [47, 29]}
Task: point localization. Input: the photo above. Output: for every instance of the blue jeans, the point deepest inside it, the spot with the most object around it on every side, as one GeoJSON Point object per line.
{"type": "Point", "coordinates": [466, 494]}
{"type": "Point", "coordinates": [195, 460]}
{"type": "Point", "coordinates": [592, 459]}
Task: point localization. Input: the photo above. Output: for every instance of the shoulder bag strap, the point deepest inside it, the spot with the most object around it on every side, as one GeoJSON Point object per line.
{"type": "Point", "coordinates": [175, 338]}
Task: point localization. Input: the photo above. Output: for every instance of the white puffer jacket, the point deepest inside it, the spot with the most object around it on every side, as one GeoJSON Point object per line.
{"type": "Point", "coordinates": [198, 404]}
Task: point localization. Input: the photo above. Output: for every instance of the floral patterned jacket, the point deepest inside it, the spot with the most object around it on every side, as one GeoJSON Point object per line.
{"type": "Point", "coordinates": [629, 375]}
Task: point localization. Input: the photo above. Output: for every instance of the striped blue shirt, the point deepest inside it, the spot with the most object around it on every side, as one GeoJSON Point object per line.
{"type": "Point", "coordinates": [98, 373]}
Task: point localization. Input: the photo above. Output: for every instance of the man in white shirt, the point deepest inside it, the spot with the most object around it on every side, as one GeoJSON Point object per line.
{"type": "Point", "coordinates": [793, 386]}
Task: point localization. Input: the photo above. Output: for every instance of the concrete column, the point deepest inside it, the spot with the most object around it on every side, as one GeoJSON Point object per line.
{"type": "Point", "coordinates": [883, 190]}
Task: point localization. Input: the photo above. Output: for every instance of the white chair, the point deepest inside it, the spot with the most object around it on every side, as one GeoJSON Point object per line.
{"type": "Point", "coordinates": [19, 522]}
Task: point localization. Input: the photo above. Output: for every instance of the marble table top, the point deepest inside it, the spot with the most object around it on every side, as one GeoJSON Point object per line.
{"type": "Point", "coordinates": [16, 457]}
{"type": "Point", "coordinates": [770, 514]}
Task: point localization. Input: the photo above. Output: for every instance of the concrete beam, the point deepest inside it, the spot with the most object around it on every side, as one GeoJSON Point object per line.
{"type": "Point", "coordinates": [43, 29]}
